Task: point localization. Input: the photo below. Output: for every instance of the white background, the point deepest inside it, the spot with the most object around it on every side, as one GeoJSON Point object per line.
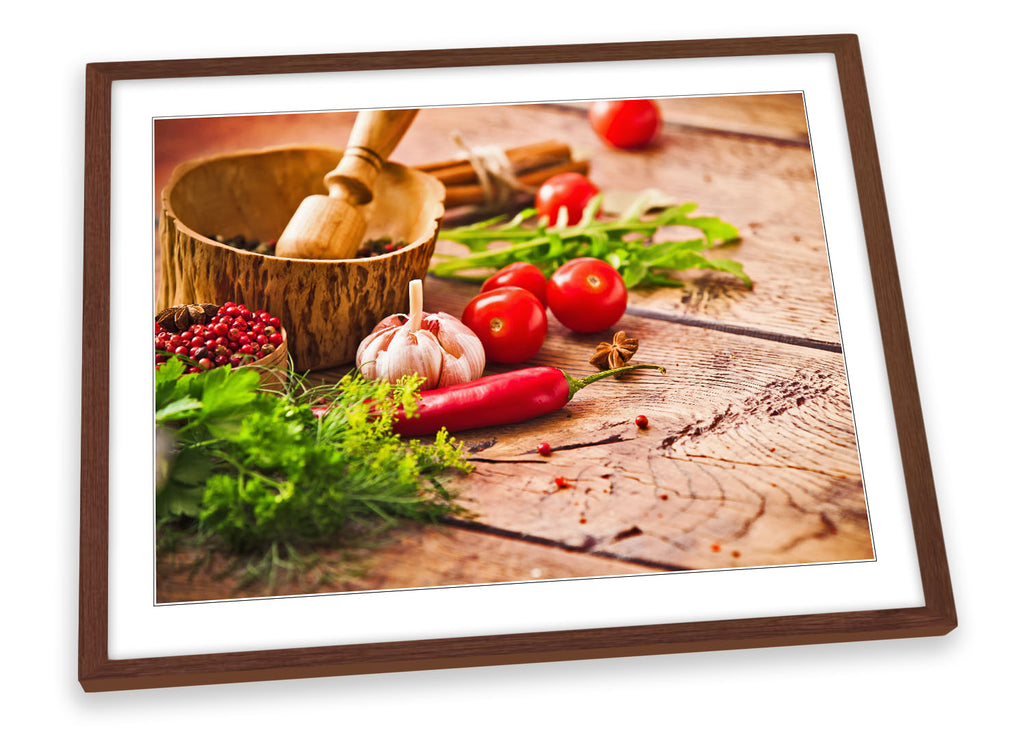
{"type": "Point", "coordinates": [942, 88]}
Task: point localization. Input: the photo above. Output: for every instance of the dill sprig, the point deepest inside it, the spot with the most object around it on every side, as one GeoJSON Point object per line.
{"type": "Point", "coordinates": [260, 472]}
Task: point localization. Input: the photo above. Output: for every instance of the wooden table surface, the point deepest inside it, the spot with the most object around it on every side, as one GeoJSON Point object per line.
{"type": "Point", "coordinates": [750, 458]}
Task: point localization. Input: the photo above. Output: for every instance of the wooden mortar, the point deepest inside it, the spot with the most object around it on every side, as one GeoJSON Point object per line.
{"type": "Point", "coordinates": [327, 306]}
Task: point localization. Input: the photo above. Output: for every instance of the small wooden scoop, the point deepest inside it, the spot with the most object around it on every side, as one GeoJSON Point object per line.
{"type": "Point", "coordinates": [332, 226]}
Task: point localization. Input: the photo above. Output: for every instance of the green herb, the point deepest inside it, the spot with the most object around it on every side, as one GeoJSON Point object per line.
{"type": "Point", "coordinates": [627, 243]}
{"type": "Point", "coordinates": [261, 472]}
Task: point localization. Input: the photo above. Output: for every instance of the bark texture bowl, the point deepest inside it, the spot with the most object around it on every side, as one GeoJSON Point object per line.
{"type": "Point", "coordinates": [327, 307]}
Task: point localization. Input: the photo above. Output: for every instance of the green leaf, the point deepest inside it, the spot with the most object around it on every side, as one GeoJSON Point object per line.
{"type": "Point", "coordinates": [634, 273]}
{"type": "Point", "coordinates": [734, 268]}
{"type": "Point", "coordinates": [179, 409]}
{"type": "Point", "coordinates": [714, 229]}
{"type": "Point", "coordinates": [657, 254]}
{"type": "Point", "coordinates": [182, 492]}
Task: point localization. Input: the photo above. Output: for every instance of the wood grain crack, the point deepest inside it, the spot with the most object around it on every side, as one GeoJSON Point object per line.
{"type": "Point", "coordinates": [587, 547]}
{"type": "Point", "coordinates": [745, 331]}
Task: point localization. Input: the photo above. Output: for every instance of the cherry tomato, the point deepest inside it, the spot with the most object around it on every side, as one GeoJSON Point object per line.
{"type": "Point", "coordinates": [626, 123]}
{"type": "Point", "coordinates": [510, 322]}
{"type": "Point", "coordinates": [587, 295]}
{"type": "Point", "coordinates": [520, 274]}
{"type": "Point", "coordinates": [569, 190]}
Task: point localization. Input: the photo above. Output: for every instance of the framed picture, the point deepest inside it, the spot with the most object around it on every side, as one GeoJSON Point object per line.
{"type": "Point", "coordinates": [697, 226]}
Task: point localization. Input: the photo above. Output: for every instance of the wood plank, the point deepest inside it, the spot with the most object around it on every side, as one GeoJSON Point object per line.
{"type": "Point", "coordinates": [416, 557]}
{"type": "Point", "coordinates": [751, 442]}
{"type": "Point", "coordinates": [780, 116]}
{"type": "Point", "coordinates": [765, 187]}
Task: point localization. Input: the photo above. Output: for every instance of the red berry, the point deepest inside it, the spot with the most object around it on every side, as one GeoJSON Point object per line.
{"type": "Point", "coordinates": [560, 482]}
{"type": "Point", "coordinates": [243, 339]}
{"type": "Point", "coordinates": [181, 351]}
{"type": "Point", "coordinates": [232, 311]}
{"type": "Point", "coordinates": [221, 329]}
{"type": "Point", "coordinates": [641, 422]}
{"type": "Point", "coordinates": [220, 360]}
{"type": "Point", "coordinates": [260, 339]}
{"type": "Point", "coordinates": [247, 348]}
{"type": "Point", "coordinates": [274, 322]}
{"type": "Point", "coordinates": [276, 339]}
{"type": "Point", "coordinates": [544, 449]}
{"type": "Point", "coordinates": [205, 363]}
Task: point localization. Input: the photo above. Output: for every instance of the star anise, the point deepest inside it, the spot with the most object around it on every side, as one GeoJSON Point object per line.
{"type": "Point", "coordinates": [181, 317]}
{"type": "Point", "coordinates": [614, 354]}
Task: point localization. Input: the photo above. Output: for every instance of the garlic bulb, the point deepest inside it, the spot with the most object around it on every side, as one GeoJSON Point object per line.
{"type": "Point", "coordinates": [436, 346]}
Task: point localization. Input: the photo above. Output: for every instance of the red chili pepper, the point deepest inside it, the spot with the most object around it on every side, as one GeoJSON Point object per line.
{"type": "Point", "coordinates": [500, 399]}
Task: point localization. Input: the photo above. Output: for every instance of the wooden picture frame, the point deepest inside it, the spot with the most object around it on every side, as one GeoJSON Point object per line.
{"type": "Point", "coordinates": [98, 671]}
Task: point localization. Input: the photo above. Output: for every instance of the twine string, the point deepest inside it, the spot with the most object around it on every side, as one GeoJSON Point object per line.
{"type": "Point", "coordinates": [494, 171]}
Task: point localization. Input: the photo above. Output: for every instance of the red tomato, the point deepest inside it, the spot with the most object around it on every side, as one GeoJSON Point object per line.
{"type": "Point", "coordinates": [587, 295]}
{"type": "Point", "coordinates": [520, 274]}
{"type": "Point", "coordinates": [510, 322]}
{"type": "Point", "coordinates": [626, 123]}
{"type": "Point", "coordinates": [569, 190]}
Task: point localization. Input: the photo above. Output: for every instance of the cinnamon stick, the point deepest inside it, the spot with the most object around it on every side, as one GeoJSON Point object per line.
{"type": "Point", "coordinates": [473, 194]}
{"type": "Point", "coordinates": [522, 159]}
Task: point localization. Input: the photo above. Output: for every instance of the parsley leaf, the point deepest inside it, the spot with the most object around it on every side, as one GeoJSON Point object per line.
{"type": "Point", "coordinates": [258, 470]}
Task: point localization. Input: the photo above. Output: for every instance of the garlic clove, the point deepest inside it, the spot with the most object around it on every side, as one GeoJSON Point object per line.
{"type": "Point", "coordinates": [371, 345]}
{"type": "Point", "coordinates": [410, 352]}
{"type": "Point", "coordinates": [464, 353]}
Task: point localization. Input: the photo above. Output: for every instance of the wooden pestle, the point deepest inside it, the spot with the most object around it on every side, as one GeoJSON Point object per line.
{"type": "Point", "coordinates": [332, 226]}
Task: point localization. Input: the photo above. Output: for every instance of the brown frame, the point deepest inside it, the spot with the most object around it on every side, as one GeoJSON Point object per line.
{"type": "Point", "coordinates": [97, 672]}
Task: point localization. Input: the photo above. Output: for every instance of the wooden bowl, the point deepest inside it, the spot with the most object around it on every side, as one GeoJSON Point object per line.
{"type": "Point", "coordinates": [328, 307]}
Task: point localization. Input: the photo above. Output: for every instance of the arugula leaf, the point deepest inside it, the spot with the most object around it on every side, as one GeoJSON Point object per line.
{"type": "Point", "coordinates": [627, 243]}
